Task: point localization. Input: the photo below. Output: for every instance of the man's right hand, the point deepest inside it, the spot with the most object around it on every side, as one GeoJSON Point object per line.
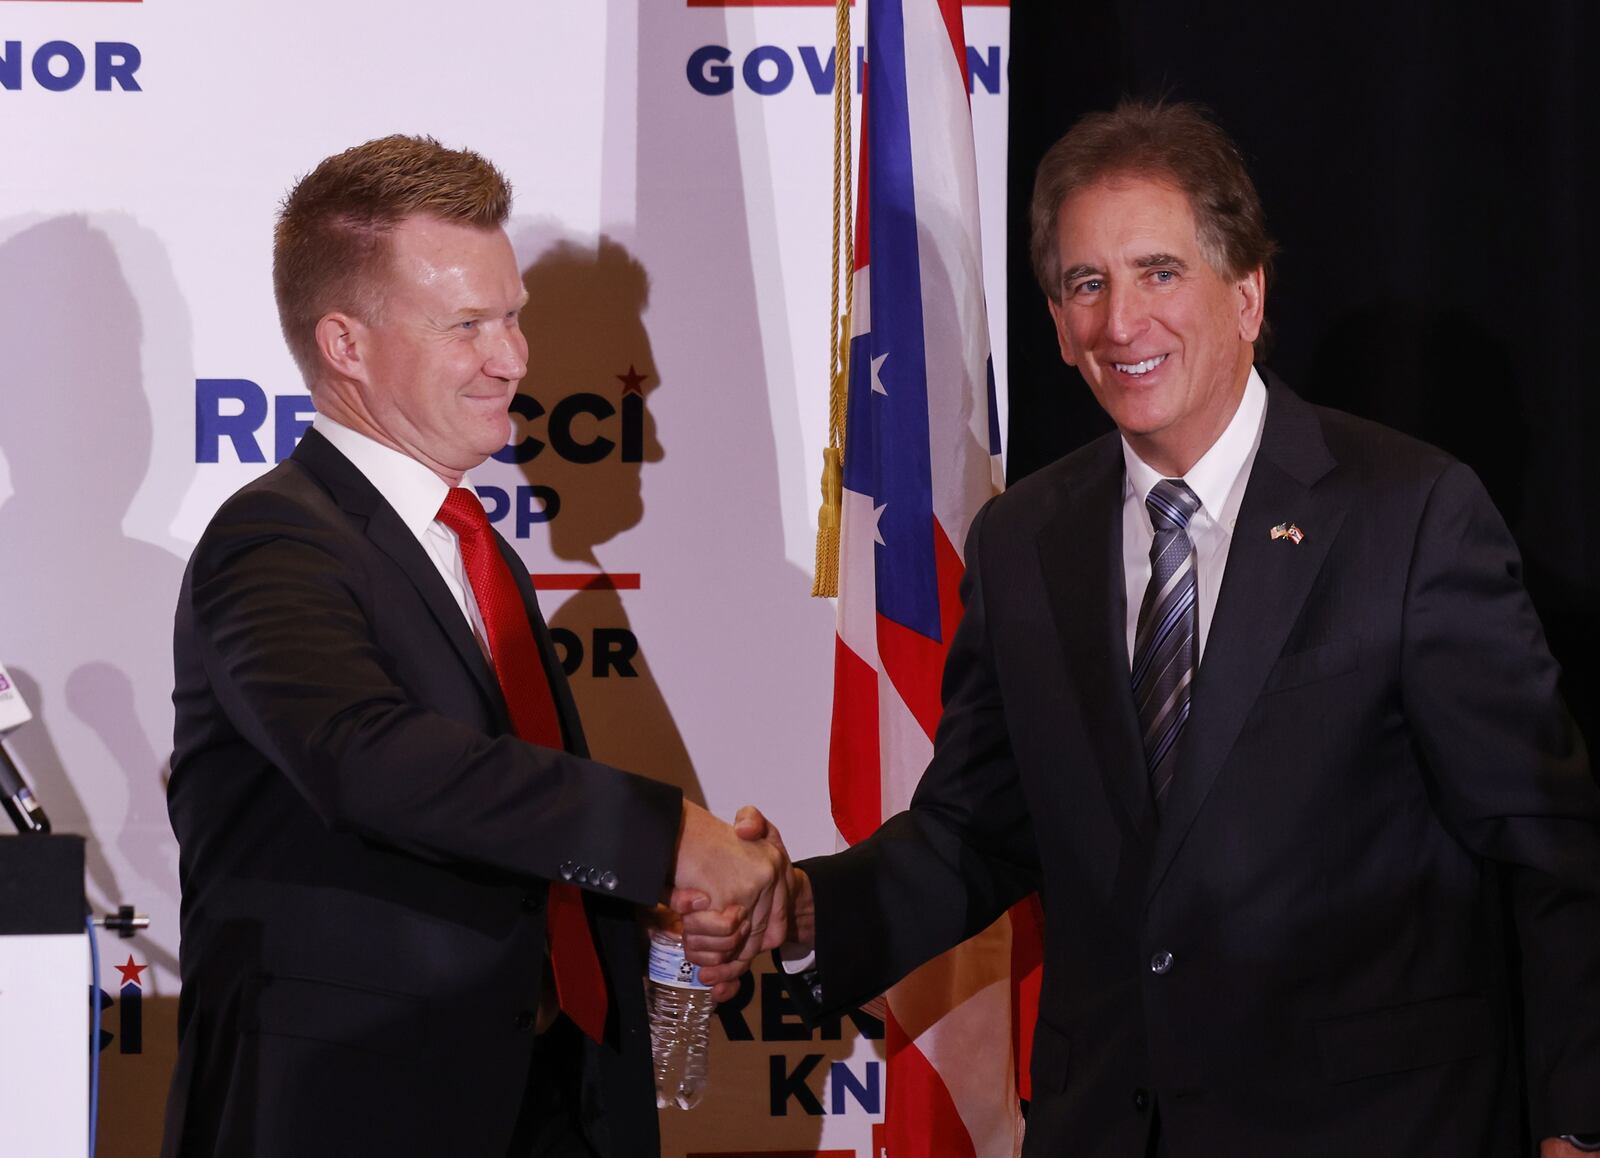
{"type": "Point", "coordinates": [738, 882]}
{"type": "Point", "coordinates": [715, 939]}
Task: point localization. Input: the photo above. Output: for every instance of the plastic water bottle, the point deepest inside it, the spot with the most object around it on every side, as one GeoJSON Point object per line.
{"type": "Point", "coordinates": [680, 1022]}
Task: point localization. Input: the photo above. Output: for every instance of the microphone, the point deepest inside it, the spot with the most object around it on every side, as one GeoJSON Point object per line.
{"type": "Point", "coordinates": [15, 794]}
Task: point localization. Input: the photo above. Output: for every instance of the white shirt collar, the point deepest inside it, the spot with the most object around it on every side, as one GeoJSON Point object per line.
{"type": "Point", "coordinates": [1215, 477]}
{"type": "Point", "coordinates": [411, 488]}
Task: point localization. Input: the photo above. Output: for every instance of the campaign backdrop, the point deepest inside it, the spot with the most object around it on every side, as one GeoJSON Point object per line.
{"type": "Point", "coordinates": [671, 161]}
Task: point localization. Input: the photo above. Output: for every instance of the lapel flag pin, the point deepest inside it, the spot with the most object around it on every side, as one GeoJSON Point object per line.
{"type": "Point", "coordinates": [1288, 531]}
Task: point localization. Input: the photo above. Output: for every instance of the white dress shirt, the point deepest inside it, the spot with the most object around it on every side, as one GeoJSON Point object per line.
{"type": "Point", "coordinates": [1219, 480]}
{"type": "Point", "coordinates": [416, 494]}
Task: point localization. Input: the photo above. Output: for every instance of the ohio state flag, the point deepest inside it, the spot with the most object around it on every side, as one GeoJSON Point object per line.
{"type": "Point", "coordinates": [921, 455]}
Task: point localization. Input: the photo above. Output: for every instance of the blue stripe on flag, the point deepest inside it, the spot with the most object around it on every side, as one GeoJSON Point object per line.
{"type": "Point", "coordinates": [994, 409]}
{"type": "Point", "coordinates": [891, 462]}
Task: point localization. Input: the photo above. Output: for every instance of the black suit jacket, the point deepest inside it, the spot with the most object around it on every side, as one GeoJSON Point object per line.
{"type": "Point", "coordinates": [365, 845]}
{"type": "Point", "coordinates": [1377, 793]}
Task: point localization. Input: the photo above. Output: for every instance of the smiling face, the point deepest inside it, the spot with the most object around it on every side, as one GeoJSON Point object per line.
{"type": "Point", "coordinates": [1162, 338]}
{"type": "Point", "coordinates": [433, 374]}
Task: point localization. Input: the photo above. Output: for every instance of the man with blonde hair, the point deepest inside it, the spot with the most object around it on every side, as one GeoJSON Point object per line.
{"type": "Point", "coordinates": [397, 860]}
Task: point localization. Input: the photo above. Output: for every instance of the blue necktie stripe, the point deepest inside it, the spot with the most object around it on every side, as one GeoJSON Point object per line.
{"type": "Point", "coordinates": [1167, 634]}
{"type": "Point", "coordinates": [1147, 648]}
{"type": "Point", "coordinates": [1165, 745]}
{"type": "Point", "coordinates": [1160, 665]}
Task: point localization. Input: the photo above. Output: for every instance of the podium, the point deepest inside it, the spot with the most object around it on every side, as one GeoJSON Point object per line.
{"type": "Point", "coordinates": [44, 997]}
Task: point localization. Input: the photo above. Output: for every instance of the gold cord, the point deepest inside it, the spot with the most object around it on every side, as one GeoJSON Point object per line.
{"type": "Point", "coordinates": [826, 581]}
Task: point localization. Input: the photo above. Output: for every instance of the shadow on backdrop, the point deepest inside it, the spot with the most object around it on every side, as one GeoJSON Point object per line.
{"type": "Point", "coordinates": [590, 361]}
{"type": "Point", "coordinates": [87, 611]}
{"type": "Point", "coordinates": [738, 620]}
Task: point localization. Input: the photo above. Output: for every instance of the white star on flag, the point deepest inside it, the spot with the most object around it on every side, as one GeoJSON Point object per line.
{"type": "Point", "coordinates": [958, 1031]}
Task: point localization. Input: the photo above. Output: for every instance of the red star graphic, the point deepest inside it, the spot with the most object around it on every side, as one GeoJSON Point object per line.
{"type": "Point", "coordinates": [633, 381]}
{"type": "Point", "coordinates": [130, 972]}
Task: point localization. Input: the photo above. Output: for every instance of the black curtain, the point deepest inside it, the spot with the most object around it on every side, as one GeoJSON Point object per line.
{"type": "Point", "coordinates": [1429, 171]}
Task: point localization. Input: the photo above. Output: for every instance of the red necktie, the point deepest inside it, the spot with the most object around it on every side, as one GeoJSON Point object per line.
{"type": "Point", "coordinates": [580, 984]}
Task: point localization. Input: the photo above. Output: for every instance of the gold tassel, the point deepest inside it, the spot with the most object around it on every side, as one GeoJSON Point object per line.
{"type": "Point", "coordinates": [825, 583]}
{"type": "Point", "coordinates": [830, 516]}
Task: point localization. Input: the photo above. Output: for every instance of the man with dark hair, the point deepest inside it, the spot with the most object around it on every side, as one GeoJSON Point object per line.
{"type": "Point", "coordinates": [380, 786]}
{"type": "Point", "coordinates": [1252, 694]}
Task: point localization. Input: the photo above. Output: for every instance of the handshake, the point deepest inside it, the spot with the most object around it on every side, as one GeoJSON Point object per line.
{"type": "Point", "coordinates": [738, 895]}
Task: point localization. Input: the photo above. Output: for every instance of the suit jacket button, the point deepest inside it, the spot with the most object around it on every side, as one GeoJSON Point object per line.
{"type": "Point", "coordinates": [608, 881]}
{"type": "Point", "coordinates": [524, 1019]}
{"type": "Point", "coordinates": [1141, 1100]}
{"type": "Point", "coordinates": [1161, 963]}
{"type": "Point", "coordinates": [567, 869]}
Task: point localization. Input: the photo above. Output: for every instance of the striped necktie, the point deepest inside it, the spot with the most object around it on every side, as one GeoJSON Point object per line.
{"type": "Point", "coordinates": [1167, 638]}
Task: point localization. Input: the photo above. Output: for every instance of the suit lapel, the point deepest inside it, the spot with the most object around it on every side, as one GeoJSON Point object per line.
{"type": "Point", "coordinates": [1264, 587]}
{"type": "Point", "coordinates": [1080, 551]}
{"type": "Point", "coordinates": [360, 499]}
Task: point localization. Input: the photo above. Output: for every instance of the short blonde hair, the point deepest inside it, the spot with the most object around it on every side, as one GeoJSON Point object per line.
{"type": "Point", "coordinates": [331, 249]}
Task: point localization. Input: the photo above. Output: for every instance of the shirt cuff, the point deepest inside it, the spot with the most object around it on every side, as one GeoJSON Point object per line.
{"type": "Point", "coordinates": [793, 965]}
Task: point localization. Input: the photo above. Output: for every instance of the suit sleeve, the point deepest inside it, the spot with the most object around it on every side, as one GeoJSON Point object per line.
{"type": "Point", "coordinates": [1512, 777]}
{"type": "Point", "coordinates": [279, 614]}
{"type": "Point", "coordinates": [951, 864]}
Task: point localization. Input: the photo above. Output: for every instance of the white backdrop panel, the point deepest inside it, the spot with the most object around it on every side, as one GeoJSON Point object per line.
{"type": "Point", "coordinates": [672, 171]}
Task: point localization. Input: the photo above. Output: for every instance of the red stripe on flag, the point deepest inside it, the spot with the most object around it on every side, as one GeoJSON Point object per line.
{"type": "Point", "coordinates": [854, 769]}
{"type": "Point", "coordinates": [950, 569]}
{"type": "Point", "coordinates": [1027, 969]}
{"type": "Point", "coordinates": [863, 250]}
{"type": "Point", "coordinates": [913, 662]}
{"type": "Point", "coordinates": [951, 11]}
{"type": "Point", "coordinates": [919, 1119]}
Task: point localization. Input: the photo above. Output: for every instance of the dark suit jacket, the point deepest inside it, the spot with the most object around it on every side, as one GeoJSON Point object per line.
{"type": "Point", "coordinates": [1377, 794]}
{"type": "Point", "coordinates": [365, 845]}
